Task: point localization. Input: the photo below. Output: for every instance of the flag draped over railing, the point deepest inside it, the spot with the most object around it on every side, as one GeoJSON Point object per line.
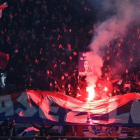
{"type": "Point", "coordinates": [53, 107]}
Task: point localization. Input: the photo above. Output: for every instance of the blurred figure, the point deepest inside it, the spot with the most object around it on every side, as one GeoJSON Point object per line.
{"type": "Point", "coordinates": [43, 129]}
{"type": "Point", "coordinates": [69, 50]}
{"type": "Point", "coordinates": [11, 81]}
{"type": "Point", "coordinates": [70, 90]}
{"type": "Point", "coordinates": [3, 80]}
{"type": "Point", "coordinates": [86, 67]}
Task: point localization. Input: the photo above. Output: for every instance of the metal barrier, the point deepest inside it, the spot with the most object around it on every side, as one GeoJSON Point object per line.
{"type": "Point", "coordinates": [70, 137]}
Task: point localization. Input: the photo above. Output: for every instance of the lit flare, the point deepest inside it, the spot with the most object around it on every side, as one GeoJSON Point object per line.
{"type": "Point", "coordinates": [91, 93]}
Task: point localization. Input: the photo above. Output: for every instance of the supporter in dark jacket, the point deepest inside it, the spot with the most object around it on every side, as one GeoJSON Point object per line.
{"type": "Point", "coordinates": [12, 128]}
{"type": "Point", "coordinates": [6, 125]}
{"type": "Point", "coordinates": [1, 129]}
{"type": "Point", "coordinates": [70, 91]}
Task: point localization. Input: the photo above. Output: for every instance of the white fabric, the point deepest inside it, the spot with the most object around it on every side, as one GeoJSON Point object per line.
{"type": "Point", "coordinates": [31, 129]}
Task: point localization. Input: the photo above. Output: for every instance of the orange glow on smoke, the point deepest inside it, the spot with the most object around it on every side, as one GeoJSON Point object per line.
{"type": "Point", "coordinates": [91, 93]}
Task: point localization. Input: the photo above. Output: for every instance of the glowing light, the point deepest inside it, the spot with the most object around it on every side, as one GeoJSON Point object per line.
{"type": "Point", "coordinates": [89, 119]}
{"type": "Point", "coordinates": [105, 89]}
{"type": "Point", "coordinates": [90, 122]}
{"type": "Point", "coordinates": [91, 93]}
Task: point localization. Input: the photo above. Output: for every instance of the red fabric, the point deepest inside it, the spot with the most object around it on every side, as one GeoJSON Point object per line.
{"type": "Point", "coordinates": [68, 135]}
{"type": "Point", "coordinates": [3, 6]}
{"type": "Point", "coordinates": [79, 131]}
{"type": "Point", "coordinates": [4, 58]}
{"type": "Point", "coordinates": [114, 134]}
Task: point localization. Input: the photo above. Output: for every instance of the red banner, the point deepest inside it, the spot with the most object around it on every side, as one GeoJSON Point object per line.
{"type": "Point", "coordinates": [4, 58]}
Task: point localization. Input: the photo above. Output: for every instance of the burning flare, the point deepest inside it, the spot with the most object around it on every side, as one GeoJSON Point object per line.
{"type": "Point", "coordinates": [91, 93]}
{"type": "Point", "coordinates": [105, 89]}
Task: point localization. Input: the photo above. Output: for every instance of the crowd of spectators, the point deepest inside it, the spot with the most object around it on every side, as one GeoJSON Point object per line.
{"type": "Point", "coordinates": [43, 39]}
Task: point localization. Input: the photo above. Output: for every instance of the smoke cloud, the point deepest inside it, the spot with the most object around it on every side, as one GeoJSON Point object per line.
{"type": "Point", "coordinates": [117, 25]}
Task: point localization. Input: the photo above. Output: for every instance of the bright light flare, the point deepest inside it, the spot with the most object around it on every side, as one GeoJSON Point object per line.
{"type": "Point", "coordinates": [91, 93]}
{"type": "Point", "coordinates": [90, 122]}
{"type": "Point", "coordinates": [106, 89]}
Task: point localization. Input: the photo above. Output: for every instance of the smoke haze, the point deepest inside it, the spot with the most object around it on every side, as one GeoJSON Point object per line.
{"type": "Point", "coordinates": [125, 14]}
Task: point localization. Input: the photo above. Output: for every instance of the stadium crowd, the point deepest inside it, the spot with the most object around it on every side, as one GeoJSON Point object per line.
{"type": "Point", "coordinates": [43, 39]}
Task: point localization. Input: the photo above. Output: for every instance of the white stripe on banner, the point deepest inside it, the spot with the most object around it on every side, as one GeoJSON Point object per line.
{"type": "Point", "coordinates": [117, 109]}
